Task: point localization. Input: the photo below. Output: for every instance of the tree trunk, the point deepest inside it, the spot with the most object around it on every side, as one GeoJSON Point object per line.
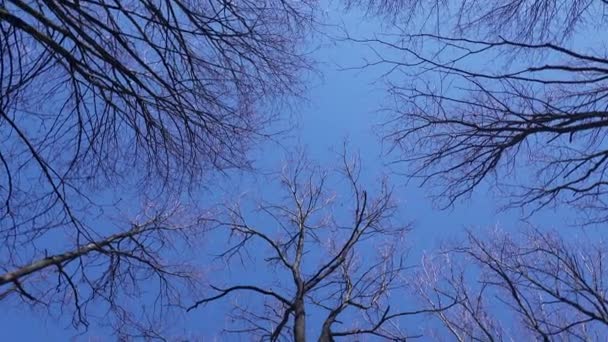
{"type": "Point", "coordinates": [326, 335]}
{"type": "Point", "coordinates": [299, 328]}
{"type": "Point", "coordinates": [331, 318]}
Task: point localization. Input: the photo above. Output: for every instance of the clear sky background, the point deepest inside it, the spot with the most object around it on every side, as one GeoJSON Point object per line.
{"type": "Point", "coordinates": [342, 105]}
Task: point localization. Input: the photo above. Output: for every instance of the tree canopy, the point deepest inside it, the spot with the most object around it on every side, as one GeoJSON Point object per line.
{"type": "Point", "coordinates": [122, 121]}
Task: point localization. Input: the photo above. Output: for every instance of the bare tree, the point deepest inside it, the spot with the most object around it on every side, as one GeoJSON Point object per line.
{"type": "Point", "coordinates": [508, 286]}
{"type": "Point", "coordinates": [105, 104]}
{"type": "Point", "coordinates": [329, 264]}
{"type": "Point", "coordinates": [101, 93]}
{"type": "Point", "coordinates": [510, 91]}
{"type": "Point", "coordinates": [114, 274]}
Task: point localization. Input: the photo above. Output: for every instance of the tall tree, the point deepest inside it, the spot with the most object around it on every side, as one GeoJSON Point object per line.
{"type": "Point", "coordinates": [512, 92]}
{"type": "Point", "coordinates": [105, 98]}
{"type": "Point", "coordinates": [510, 286]}
{"type": "Point", "coordinates": [335, 258]}
{"type": "Point", "coordinates": [509, 91]}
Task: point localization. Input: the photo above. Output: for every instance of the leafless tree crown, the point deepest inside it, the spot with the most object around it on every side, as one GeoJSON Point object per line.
{"type": "Point", "coordinates": [105, 97]}
{"type": "Point", "coordinates": [336, 265]}
{"type": "Point", "coordinates": [509, 286]}
{"type": "Point", "coordinates": [105, 281]}
{"type": "Point", "coordinates": [510, 91]}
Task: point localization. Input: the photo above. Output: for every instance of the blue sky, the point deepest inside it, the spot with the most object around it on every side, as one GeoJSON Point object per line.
{"type": "Point", "coordinates": [342, 105]}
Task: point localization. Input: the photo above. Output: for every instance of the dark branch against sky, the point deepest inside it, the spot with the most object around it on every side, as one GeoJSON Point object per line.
{"type": "Point", "coordinates": [477, 116]}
